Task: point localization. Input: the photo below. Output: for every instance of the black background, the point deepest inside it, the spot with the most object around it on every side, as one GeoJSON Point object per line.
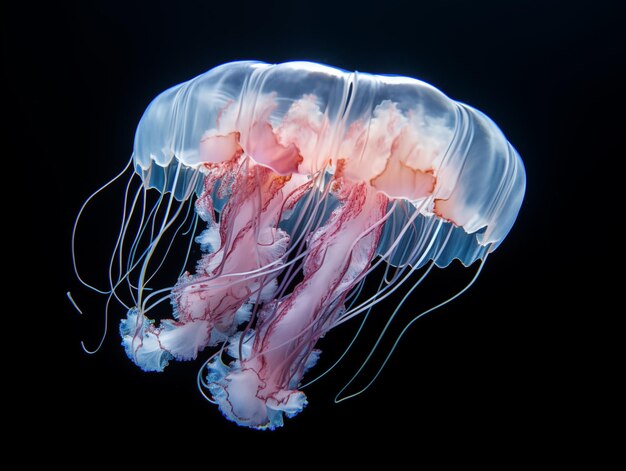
{"type": "Point", "coordinates": [79, 76]}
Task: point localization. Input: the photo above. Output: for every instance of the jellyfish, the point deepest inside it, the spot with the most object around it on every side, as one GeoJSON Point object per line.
{"type": "Point", "coordinates": [297, 181]}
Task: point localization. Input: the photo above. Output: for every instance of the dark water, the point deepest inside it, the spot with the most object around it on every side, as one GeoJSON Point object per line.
{"type": "Point", "coordinates": [500, 358]}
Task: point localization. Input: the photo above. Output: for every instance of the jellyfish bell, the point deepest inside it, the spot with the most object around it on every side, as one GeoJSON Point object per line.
{"type": "Point", "coordinates": [307, 177]}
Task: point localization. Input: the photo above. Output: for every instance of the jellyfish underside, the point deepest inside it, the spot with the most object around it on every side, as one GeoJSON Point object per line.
{"type": "Point", "coordinates": [300, 200]}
